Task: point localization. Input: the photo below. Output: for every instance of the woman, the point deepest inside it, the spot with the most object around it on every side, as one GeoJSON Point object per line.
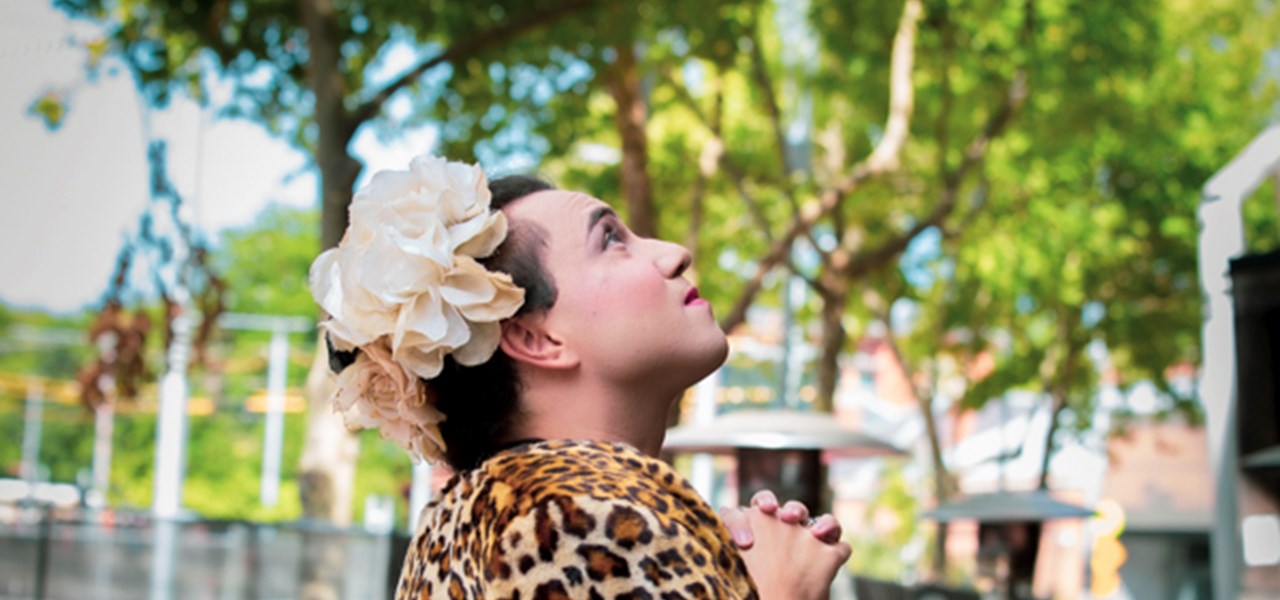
{"type": "Point", "coordinates": [527, 337]}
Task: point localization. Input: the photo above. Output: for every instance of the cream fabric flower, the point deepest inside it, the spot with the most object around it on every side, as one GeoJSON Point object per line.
{"type": "Point", "coordinates": [377, 391]}
{"type": "Point", "coordinates": [406, 268]}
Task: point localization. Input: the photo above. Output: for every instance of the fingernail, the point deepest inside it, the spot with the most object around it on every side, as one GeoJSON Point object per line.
{"type": "Point", "coordinates": [741, 538]}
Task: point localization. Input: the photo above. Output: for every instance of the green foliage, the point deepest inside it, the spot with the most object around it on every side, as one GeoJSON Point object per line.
{"type": "Point", "coordinates": [224, 467]}
{"type": "Point", "coordinates": [1088, 229]}
{"type": "Point", "coordinates": [878, 551]}
{"type": "Point", "coordinates": [1262, 217]}
{"type": "Point", "coordinates": [265, 264]}
{"type": "Point", "coordinates": [64, 451]}
{"type": "Point", "coordinates": [47, 346]}
{"type": "Point", "coordinates": [383, 469]}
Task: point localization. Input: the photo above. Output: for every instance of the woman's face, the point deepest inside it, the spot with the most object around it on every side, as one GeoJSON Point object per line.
{"type": "Point", "coordinates": [622, 304]}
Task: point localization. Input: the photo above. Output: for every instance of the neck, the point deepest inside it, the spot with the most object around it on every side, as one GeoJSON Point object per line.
{"type": "Point", "coordinates": [566, 406]}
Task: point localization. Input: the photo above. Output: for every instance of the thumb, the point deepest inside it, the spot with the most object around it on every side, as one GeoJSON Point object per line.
{"type": "Point", "coordinates": [739, 526]}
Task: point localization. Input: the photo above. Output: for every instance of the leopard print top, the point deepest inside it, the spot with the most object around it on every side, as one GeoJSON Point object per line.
{"type": "Point", "coordinates": [570, 519]}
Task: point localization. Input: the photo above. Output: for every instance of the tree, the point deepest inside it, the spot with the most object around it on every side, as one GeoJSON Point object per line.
{"type": "Point", "coordinates": [1089, 239]}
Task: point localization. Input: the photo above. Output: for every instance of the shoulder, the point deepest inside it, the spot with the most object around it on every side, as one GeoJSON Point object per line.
{"type": "Point", "coordinates": [601, 472]}
{"type": "Point", "coordinates": [604, 517]}
{"type": "Point", "coordinates": [600, 469]}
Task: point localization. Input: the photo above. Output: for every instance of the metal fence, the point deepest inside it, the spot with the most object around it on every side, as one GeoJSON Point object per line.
{"type": "Point", "coordinates": [53, 554]}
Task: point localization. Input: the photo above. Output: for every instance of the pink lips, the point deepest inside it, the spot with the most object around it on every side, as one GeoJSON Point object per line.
{"type": "Point", "coordinates": [693, 299]}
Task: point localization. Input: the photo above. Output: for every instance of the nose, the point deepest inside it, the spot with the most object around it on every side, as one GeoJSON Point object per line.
{"type": "Point", "coordinates": [671, 259]}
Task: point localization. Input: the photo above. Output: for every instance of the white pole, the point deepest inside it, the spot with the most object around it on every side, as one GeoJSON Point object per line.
{"type": "Point", "coordinates": [171, 443]}
{"type": "Point", "coordinates": [419, 493]}
{"type": "Point", "coordinates": [171, 422]}
{"type": "Point", "coordinates": [31, 429]}
{"type": "Point", "coordinates": [103, 429]}
{"type": "Point", "coordinates": [273, 441]}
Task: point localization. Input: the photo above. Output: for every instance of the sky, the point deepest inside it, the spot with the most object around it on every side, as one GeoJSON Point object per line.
{"type": "Point", "coordinates": [74, 193]}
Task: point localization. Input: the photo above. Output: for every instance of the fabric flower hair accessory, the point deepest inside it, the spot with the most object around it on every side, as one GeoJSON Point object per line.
{"type": "Point", "coordinates": [405, 288]}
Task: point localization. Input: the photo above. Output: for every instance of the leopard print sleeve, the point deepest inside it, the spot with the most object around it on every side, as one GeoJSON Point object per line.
{"type": "Point", "coordinates": [610, 523]}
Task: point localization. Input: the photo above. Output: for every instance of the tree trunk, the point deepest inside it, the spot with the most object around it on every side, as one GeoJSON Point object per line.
{"type": "Point", "coordinates": [326, 483]}
{"type": "Point", "coordinates": [338, 170]}
{"type": "Point", "coordinates": [623, 83]}
{"type": "Point", "coordinates": [833, 339]}
{"type": "Point", "coordinates": [943, 485]}
{"type": "Point", "coordinates": [1059, 404]}
{"type": "Point", "coordinates": [1060, 385]}
{"type": "Point", "coordinates": [326, 479]}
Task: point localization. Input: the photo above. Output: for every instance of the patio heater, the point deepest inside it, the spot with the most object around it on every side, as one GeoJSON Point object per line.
{"type": "Point", "coordinates": [1009, 526]}
{"type": "Point", "coordinates": [780, 450]}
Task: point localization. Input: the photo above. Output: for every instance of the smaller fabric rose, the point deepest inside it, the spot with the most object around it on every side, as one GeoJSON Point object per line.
{"type": "Point", "coordinates": [377, 391]}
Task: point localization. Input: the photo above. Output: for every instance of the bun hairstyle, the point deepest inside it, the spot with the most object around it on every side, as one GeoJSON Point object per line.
{"type": "Point", "coordinates": [481, 402]}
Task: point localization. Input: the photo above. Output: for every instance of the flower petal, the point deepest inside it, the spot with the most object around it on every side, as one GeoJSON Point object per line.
{"type": "Point", "coordinates": [484, 341]}
{"type": "Point", "coordinates": [468, 284]}
{"type": "Point", "coordinates": [506, 301]}
{"type": "Point", "coordinates": [325, 280]}
{"type": "Point", "coordinates": [425, 362]}
{"type": "Point", "coordinates": [483, 242]}
{"type": "Point", "coordinates": [385, 184]}
{"type": "Point", "coordinates": [423, 316]}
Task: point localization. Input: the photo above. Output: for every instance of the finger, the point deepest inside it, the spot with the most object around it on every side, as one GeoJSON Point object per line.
{"type": "Point", "coordinates": [793, 512]}
{"type": "Point", "coordinates": [827, 529]}
{"type": "Point", "coordinates": [843, 550]}
{"type": "Point", "coordinates": [765, 501]}
{"type": "Point", "coordinates": [736, 521]}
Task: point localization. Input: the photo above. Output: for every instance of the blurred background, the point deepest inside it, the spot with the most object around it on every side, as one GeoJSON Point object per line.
{"type": "Point", "coordinates": [999, 277]}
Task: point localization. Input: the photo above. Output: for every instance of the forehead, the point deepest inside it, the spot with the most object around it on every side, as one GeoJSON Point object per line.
{"type": "Point", "coordinates": [562, 214]}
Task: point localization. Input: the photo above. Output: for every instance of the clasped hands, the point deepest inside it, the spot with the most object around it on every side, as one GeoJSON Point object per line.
{"type": "Point", "coordinates": [788, 554]}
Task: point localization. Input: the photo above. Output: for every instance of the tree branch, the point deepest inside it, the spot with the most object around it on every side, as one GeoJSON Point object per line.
{"type": "Point", "coordinates": [901, 91]}
{"type": "Point", "coordinates": [713, 124]}
{"type": "Point", "coordinates": [942, 128]}
{"type": "Point", "coordinates": [883, 158]}
{"type": "Point", "coordinates": [760, 72]}
{"type": "Point", "coordinates": [471, 46]}
{"type": "Point", "coordinates": [707, 161]}
{"type": "Point", "coordinates": [1015, 97]}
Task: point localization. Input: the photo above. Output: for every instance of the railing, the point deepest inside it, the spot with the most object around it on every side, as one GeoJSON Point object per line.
{"type": "Point", "coordinates": [53, 553]}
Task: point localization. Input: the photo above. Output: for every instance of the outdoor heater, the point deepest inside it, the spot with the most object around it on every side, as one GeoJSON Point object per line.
{"type": "Point", "coordinates": [779, 450]}
{"type": "Point", "coordinates": [1009, 526]}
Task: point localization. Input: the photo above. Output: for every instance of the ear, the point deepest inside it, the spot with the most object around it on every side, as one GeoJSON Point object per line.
{"type": "Point", "coordinates": [527, 341]}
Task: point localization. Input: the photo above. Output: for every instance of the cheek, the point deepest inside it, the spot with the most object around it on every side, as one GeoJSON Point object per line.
{"type": "Point", "coordinates": [616, 296]}
{"type": "Point", "coordinates": [637, 286]}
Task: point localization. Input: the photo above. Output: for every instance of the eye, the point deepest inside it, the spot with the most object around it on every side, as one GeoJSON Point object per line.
{"type": "Point", "coordinates": [611, 235]}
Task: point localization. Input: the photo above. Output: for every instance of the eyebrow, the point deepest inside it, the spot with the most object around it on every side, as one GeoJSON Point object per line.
{"type": "Point", "coordinates": [597, 215]}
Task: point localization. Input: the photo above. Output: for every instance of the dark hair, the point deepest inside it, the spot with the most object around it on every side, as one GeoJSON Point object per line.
{"type": "Point", "coordinates": [481, 403]}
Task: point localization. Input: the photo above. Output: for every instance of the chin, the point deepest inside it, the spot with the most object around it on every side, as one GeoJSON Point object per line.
{"type": "Point", "coordinates": [714, 356]}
